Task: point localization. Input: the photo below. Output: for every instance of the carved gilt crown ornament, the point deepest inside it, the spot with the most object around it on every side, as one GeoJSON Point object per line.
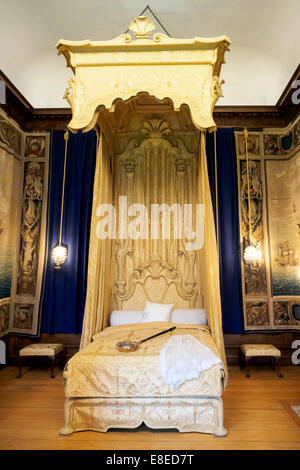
{"type": "Point", "coordinates": [185, 70]}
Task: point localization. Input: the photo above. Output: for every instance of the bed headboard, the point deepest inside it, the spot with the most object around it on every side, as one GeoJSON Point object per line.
{"type": "Point", "coordinates": [156, 281]}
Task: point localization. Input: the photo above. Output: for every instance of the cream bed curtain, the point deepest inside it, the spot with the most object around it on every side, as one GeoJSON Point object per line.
{"type": "Point", "coordinates": [100, 271]}
{"type": "Point", "coordinates": [209, 258]}
{"type": "Point", "coordinates": [99, 288]}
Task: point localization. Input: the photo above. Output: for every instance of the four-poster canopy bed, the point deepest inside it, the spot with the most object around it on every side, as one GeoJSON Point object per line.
{"type": "Point", "coordinates": [151, 101]}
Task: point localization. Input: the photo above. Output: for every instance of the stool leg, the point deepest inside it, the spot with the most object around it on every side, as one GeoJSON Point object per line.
{"type": "Point", "coordinates": [20, 367]}
{"type": "Point", "coordinates": [247, 359]}
{"type": "Point", "coordinates": [242, 360]}
{"type": "Point", "coordinates": [52, 367]}
{"type": "Point", "coordinates": [278, 361]}
{"type": "Point", "coordinates": [31, 363]}
{"type": "Point", "coordinates": [273, 363]}
{"type": "Point", "coordinates": [62, 358]}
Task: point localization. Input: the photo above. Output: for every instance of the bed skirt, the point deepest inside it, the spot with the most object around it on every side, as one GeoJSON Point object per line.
{"type": "Point", "coordinates": [190, 414]}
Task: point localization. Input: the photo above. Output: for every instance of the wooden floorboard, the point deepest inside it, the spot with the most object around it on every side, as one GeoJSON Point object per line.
{"type": "Point", "coordinates": [255, 409]}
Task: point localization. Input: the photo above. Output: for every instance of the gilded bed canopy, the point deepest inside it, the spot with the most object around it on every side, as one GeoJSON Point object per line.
{"type": "Point", "coordinates": [185, 70]}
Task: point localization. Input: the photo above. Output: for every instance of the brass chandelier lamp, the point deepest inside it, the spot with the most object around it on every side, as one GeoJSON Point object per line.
{"type": "Point", "coordinates": [60, 250]}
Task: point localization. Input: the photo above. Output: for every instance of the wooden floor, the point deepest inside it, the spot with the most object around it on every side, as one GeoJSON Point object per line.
{"type": "Point", "coordinates": [256, 416]}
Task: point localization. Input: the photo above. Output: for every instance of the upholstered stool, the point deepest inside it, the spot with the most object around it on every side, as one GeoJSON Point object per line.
{"type": "Point", "coordinates": [40, 349]}
{"type": "Point", "coordinates": [249, 351]}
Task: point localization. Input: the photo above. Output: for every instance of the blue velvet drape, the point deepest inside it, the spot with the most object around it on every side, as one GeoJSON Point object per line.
{"type": "Point", "coordinates": [62, 305]}
{"type": "Point", "coordinates": [229, 242]}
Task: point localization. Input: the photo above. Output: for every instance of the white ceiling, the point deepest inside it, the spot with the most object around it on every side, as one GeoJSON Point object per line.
{"type": "Point", "coordinates": [265, 37]}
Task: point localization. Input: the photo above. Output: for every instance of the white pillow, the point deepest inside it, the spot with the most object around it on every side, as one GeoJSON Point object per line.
{"type": "Point", "coordinates": [124, 317]}
{"type": "Point", "coordinates": [157, 312]}
{"type": "Point", "coordinates": [195, 316]}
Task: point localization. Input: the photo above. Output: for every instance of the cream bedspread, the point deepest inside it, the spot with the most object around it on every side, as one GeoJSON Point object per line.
{"type": "Point", "coordinates": [100, 370]}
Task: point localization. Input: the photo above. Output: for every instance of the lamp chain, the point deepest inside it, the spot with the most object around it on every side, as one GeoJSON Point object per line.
{"type": "Point", "coordinates": [66, 137]}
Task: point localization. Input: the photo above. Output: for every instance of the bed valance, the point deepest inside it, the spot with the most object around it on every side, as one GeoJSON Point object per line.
{"type": "Point", "coordinates": [185, 70]}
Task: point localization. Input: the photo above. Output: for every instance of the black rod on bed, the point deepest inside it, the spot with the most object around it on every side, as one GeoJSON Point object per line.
{"type": "Point", "coordinates": [158, 334]}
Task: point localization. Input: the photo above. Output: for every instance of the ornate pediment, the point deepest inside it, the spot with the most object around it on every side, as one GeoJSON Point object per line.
{"type": "Point", "coordinates": [142, 27]}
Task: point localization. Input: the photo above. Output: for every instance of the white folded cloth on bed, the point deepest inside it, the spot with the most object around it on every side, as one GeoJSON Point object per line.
{"type": "Point", "coordinates": [183, 357]}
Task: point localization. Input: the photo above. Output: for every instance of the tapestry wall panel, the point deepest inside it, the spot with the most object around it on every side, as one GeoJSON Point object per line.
{"type": "Point", "coordinates": [32, 237]}
{"type": "Point", "coordinates": [11, 166]}
{"type": "Point", "coordinates": [4, 316]}
{"type": "Point", "coordinates": [10, 182]}
{"type": "Point", "coordinates": [23, 198]}
{"type": "Point", "coordinates": [255, 274]}
{"type": "Point", "coordinates": [271, 284]}
{"type": "Point", "coordinates": [31, 227]}
{"type": "Point", "coordinates": [283, 191]}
